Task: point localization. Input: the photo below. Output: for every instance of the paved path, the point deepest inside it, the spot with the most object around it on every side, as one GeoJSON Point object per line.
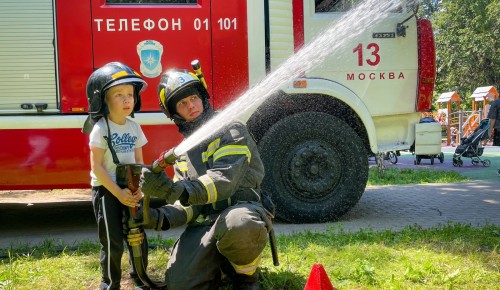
{"type": "Point", "coordinates": [394, 207]}
{"type": "Point", "coordinates": [381, 207]}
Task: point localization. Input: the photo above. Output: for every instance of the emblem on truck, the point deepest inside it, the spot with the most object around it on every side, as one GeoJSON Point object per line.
{"type": "Point", "coordinates": [150, 52]}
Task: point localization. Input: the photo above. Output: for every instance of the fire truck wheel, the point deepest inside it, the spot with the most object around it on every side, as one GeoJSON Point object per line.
{"type": "Point", "coordinates": [316, 167]}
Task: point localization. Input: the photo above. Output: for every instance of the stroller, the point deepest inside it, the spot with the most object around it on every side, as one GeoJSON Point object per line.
{"type": "Point", "coordinates": [471, 147]}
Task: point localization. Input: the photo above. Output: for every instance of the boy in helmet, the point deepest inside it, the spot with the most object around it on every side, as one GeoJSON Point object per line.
{"type": "Point", "coordinates": [113, 93]}
{"type": "Point", "coordinates": [216, 193]}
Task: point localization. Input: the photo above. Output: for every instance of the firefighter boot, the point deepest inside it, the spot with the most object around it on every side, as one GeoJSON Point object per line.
{"type": "Point", "coordinates": [246, 282]}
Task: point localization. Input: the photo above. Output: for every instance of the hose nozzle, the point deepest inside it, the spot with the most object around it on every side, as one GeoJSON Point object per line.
{"type": "Point", "coordinates": [166, 159]}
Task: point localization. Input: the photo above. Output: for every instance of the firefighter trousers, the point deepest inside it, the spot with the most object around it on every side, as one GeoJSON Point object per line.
{"type": "Point", "coordinates": [238, 236]}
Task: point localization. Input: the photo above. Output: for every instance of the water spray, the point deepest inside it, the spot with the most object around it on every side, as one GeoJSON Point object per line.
{"type": "Point", "coordinates": [308, 57]}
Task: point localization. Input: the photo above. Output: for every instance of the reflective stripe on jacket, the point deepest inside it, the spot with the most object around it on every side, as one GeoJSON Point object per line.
{"type": "Point", "coordinates": [217, 173]}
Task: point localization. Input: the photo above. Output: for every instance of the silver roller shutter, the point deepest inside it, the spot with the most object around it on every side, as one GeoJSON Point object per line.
{"type": "Point", "coordinates": [27, 56]}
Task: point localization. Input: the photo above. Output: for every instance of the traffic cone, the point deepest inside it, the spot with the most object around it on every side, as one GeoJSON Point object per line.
{"type": "Point", "coordinates": [318, 279]}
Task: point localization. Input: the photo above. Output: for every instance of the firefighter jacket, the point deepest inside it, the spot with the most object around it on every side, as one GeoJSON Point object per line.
{"type": "Point", "coordinates": [222, 171]}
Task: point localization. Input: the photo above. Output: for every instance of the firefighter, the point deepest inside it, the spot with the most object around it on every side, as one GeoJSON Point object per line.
{"type": "Point", "coordinates": [216, 192]}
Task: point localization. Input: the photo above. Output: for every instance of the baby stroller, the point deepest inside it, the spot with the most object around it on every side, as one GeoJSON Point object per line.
{"type": "Point", "coordinates": [472, 147]}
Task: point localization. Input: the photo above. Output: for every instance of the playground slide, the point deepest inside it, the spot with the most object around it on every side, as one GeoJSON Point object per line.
{"type": "Point", "coordinates": [470, 125]}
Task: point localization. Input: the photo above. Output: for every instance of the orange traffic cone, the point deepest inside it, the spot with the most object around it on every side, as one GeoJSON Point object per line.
{"type": "Point", "coordinates": [318, 279]}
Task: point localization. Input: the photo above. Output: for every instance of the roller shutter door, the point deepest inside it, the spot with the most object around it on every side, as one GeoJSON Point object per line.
{"type": "Point", "coordinates": [27, 56]}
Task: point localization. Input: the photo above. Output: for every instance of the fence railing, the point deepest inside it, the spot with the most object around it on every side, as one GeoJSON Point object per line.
{"type": "Point", "coordinates": [465, 122]}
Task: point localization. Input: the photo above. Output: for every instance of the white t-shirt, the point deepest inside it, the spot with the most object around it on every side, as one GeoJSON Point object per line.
{"type": "Point", "coordinates": [124, 139]}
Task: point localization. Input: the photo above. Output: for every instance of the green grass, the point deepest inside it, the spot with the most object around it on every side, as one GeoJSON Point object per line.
{"type": "Point", "coordinates": [392, 176]}
{"type": "Point", "coordinates": [453, 256]}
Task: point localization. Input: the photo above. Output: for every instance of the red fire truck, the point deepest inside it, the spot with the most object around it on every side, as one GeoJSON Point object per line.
{"type": "Point", "coordinates": [364, 101]}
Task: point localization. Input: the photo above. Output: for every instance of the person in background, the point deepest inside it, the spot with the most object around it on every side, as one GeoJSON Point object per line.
{"type": "Point", "coordinates": [453, 134]}
{"type": "Point", "coordinates": [113, 92]}
{"type": "Point", "coordinates": [494, 116]}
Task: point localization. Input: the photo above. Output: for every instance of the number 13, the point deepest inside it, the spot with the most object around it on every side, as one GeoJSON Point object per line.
{"type": "Point", "coordinates": [374, 60]}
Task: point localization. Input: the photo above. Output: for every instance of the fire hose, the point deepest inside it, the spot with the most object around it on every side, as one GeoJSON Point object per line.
{"type": "Point", "coordinates": [128, 175]}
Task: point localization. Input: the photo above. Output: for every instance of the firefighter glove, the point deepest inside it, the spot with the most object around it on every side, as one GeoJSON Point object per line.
{"type": "Point", "coordinates": [178, 192]}
{"type": "Point", "coordinates": [153, 217]}
{"type": "Point", "coordinates": [155, 184]}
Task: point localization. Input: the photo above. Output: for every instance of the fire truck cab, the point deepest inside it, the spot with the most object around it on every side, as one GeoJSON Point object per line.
{"type": "Point", "coordinates": [361, 100]}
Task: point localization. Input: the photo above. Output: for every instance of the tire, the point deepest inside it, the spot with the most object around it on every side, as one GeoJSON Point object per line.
{"type": "Point", "coordinates": [316, 167]}
{"type": "Point", "coordinates": [486, 163]}
{"type": "Point", "coordinates": [393, 158]}
{"type": "Point", "coordinates": [432, 160]}
{"type": "Point", "coordinates": [441, 157]}
{"type": "Point", "coordinates": [418, 159]}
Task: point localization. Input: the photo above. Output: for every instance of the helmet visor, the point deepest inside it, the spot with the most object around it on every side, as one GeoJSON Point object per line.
{"type": "Point", "coordinates": [130, 80]}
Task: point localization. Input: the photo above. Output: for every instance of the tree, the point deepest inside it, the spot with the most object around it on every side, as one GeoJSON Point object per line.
{"type": "Point", "coordinates": [428, 7]}
{"type": "Point", "coordinates": [467, 45]}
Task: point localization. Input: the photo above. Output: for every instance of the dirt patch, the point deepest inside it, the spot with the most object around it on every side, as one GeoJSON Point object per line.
{"type": "Point", "coordinates": [43, 196]}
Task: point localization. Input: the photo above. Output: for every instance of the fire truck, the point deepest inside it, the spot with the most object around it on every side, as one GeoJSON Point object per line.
{"type": "Point", "coordinates": [314, 135]}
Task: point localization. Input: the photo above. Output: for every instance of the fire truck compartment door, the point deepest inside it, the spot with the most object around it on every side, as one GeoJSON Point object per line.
{"type": "Point", "coordinates": [152, 37]}
{"type": "Point", "coordinates": [27, 74]}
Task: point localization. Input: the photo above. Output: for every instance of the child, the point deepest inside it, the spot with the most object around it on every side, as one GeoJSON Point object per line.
{"type": "Point", "coordinates": [113, 92]}
{"type": "Point", "coordinates": [453, 133]}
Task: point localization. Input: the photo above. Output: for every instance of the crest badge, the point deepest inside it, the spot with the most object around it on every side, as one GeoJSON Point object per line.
{"type": "Point", "coordinates": [150, 52]}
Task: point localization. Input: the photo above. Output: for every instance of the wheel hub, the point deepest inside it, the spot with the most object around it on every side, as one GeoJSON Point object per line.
{"type": "Point", "coordinates": [314, 170]}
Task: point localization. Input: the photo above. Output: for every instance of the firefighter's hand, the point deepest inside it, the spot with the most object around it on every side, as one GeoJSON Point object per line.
{"type": "Point", "coordinates": [155, 184]}
{"type": "Point", "coordinates": [177, 192]}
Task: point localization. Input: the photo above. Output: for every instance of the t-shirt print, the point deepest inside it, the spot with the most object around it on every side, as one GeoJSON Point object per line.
{"type": "Point", "coordinates": [124, 143]}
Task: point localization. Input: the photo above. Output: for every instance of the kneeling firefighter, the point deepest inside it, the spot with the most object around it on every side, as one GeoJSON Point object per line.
{"type": "Point", "coordinates": [215, 191]}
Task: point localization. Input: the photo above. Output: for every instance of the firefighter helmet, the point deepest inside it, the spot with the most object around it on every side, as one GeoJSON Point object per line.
{"type": "Point", "coordinates": [110, 75]}
{"type": "Point", "coordinates": [177, 84]}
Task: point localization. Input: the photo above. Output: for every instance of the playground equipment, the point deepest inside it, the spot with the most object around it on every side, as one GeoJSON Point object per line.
{"type": "Point", "coordinates": [484, 95]}
{"type": "Point", "coordinates": [470, 123]}
{"type": "Point", "coordinates": [481, 97]}
{"type": "Point", "coordinates": [465, 121]}
{"type": "Point", "coordinates": [449, 98]}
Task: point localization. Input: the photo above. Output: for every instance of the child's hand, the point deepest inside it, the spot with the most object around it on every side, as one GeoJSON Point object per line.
{"type": "Point", "coordinates": [138, 195]}
{"type": "Point", "coordinates": [126, 197]}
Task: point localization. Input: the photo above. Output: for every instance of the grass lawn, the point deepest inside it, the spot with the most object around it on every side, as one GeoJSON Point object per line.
{"type": "Point", "coordinates": [453, 256]}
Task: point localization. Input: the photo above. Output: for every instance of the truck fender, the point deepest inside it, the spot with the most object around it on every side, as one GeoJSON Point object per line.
{"type": "Point", "coordinates": [342, 93]}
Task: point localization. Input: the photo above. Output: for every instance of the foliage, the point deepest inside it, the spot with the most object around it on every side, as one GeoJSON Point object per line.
{"type": "Point", "coordinates": [467, 36]}
{"type": "Point", "coordinates": [428, 7]}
